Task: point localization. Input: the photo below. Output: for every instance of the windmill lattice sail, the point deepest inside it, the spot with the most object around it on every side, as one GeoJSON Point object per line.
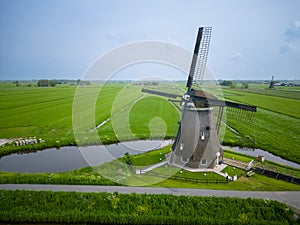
{"type": "Point", "coordinates": [198, 65]}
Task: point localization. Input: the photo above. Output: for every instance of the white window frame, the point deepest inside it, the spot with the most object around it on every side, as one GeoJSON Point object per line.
{"type": "Point", "coordinates": [181, 146]}
{"type": "Point", "coordinates": [187, 159]}
{"type": "Point", "coordinates": [202, 136]}
{"type": "Point", "coordinates": [201, 162]}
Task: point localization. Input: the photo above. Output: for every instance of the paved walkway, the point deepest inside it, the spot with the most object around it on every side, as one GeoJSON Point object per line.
{"type": "Point", "coordinates": [154, 166]}
{"type": "Point", "coordinates": [289, 197]}
{"type": "Point", "coordinates": [238, 164]}
{"type": "Point", "coordinates": [217, 169]}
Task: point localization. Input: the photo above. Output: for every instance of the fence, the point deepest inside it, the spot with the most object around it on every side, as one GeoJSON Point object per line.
{"type": "Point", "coordinates": [279, 176]}
{"type": "Point", "coordinates": [188, 179]}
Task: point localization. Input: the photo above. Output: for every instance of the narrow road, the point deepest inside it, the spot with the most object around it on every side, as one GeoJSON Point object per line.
{"type": "Point", "coordinates": [289, 197]}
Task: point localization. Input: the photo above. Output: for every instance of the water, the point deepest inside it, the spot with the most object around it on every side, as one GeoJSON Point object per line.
{"type": "Point", "coordinates": [268, 156]}
{"type": "Point", "coordinates": [72, 157]}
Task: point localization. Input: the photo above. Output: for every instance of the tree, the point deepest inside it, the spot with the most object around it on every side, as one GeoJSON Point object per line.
{"type": "Point", "coordinates": [52, 83]}
{"type": "Point", "coordinates": [245, 85]}
{"type": "Point", "coordinates": [127, 158]}
{"type": "Point", "coordinates": [233, 84]}
{"type": "Point", "coordinates": [226, 83]}
{"type": "Point", "coordinates": [43, 83]}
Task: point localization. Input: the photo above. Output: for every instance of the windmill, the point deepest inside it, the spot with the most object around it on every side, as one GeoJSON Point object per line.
{"type": "Point", "coordinates": [272, 83]}
{"type": "Point", "coordinates": [197, 144]}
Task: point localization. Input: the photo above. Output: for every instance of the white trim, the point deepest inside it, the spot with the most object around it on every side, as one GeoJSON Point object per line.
{"type": "Point", "coordinates": [202, 136]}
{"type": "Point", "coordinates": [187, 159]}
{"type": "Point", "coordinates": [202, 161]}
{"type": "Point", "coordinates": [181, 146]}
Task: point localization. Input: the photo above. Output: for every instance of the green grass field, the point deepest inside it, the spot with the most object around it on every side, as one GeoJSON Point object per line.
{"type": "Point", "coordinates": [281, 91]}
{"type": "Point", "coordinates": [276, 125]}
{"type": "Point", "coordinates": [47, 113]}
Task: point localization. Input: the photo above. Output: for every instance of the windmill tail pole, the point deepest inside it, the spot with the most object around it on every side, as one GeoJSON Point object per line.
{"type": "Point", "coordinates": [245, 107]}
{"type": "Point", "coordinates": [221, 103]}
{"type": "Point", "coordinates": [160, 93]}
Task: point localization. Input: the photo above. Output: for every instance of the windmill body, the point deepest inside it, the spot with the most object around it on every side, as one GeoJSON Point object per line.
{"type": "Point", "coordinates": [198, 145]}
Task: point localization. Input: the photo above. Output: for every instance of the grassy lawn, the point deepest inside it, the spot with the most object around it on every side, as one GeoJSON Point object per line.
{"type": "Point", "coordinates": [151, 157]}
{"type": "Point", "coordinates": [255, 183]}
{"type": "Point", "coordinates": [175, 171]}
{"type": "Point", "coordinates": [233, 171]}
{"type": "Point", "coordinates": [237, 156]}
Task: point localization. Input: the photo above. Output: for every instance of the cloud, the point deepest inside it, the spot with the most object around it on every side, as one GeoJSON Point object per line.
{"type": "Point", "coordinates": [292, 38]}
{"type": "Point", "coordinates": [287, 48]}
{"type": "Point", "coordinates": [293, 31]}
{"type": "Point", "coordinates": [236, 56]}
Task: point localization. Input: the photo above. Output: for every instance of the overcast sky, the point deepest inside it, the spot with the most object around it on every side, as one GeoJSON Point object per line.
{"type": "Point", "coordinates": [60, 39]}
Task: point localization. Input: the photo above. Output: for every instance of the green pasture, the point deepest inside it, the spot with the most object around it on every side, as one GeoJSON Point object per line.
{"type": "Point", "coordinates": [284, 92]}
{"type": "Point", "coordinates": [284, 105]}
{"type": "Point", "coordinates": [46, 113]}
{"type": "Point", "coordinates": [275, 128]}
{"type": "Point", "coordinates": [36, 112]}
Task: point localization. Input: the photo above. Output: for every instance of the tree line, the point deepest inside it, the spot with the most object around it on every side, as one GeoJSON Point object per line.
{"type": "Point", "coordinates": [233, 84]}
{"type": "Point", "coordinates": [46, 83]}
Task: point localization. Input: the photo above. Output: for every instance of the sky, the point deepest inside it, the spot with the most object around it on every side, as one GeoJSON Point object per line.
{"type": "Point", "coordinates": [54, 39]}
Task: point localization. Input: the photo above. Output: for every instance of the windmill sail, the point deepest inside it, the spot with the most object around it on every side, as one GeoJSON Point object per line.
{"type": "Point", "coordinates": [198, 65]}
